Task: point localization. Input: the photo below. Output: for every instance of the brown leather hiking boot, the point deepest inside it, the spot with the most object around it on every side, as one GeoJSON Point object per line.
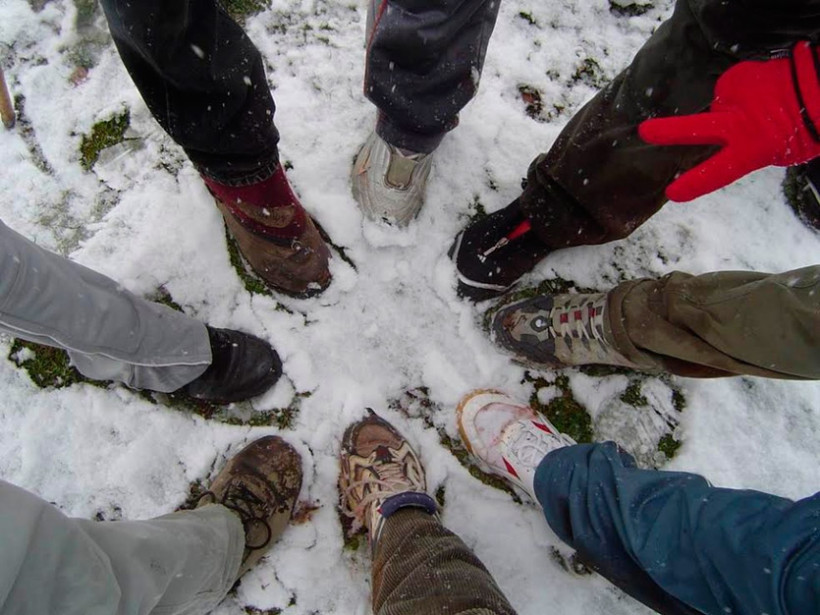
{"type": "Point", "coordinates": [260, 484]}
{"type": "Point", "coordinates": [275, 234]}
{"type": "Point", "coordinates": [380, 473]}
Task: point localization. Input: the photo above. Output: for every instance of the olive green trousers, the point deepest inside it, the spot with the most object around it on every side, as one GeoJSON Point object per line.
{"type": "Point", "coordinates": [721, 324]}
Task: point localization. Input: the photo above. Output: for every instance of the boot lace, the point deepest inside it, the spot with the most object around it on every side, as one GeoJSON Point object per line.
{"type": "Point", "coordinates": [390, 478]}
{"type": "Point", "coordinates": [244, 503]}
{"type": "Point", "coordinates": [574, 325]}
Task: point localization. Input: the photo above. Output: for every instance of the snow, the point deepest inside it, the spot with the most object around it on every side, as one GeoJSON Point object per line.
{"type": "Point", "coordinates": [392, 324]}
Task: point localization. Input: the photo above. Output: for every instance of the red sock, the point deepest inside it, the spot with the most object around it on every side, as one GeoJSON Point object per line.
{"type": "Point", "coordinates": [267, 208]}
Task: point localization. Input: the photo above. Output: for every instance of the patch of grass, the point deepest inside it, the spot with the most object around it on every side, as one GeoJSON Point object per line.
{"type": "Point", "coordinates": [564, 411]}
{"type": "Point", "coordinates": [589, 72]}
{"type": "Point", "coordinates": [161, 295]}
{"type": "Point", "coordinates": [252, 284]}
{"type": "Point", "coordinates": [103, 134]}
{"type": "Point", "coordinates": [252, 610]}
{"type": "Point", "coordinates": [440, 496]}
{"type": "Point", "coordinates": [533, 100]}
{"type": "Point", "coordinates": [283, 418]}
{"type": "Point", "coordinates": [678, 399]}
{"type": "Point", "coordinates": [86, 9]}
{"type": "Point", "coordinates": [240, 10]}
{"type": "Point", "coordinates": [632, 9]}
{"type": "Point", "coordinates": [527, 16]}
{"type": "Point", "coordinates": [46, 366]}
{"type": "Point", "coordinates": [632, 395]}
{"type": "Point", "coordinates": [669, 446]}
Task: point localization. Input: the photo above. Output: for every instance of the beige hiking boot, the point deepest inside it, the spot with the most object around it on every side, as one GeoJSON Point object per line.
{"type": "Point", "coordinates": [260, 484]}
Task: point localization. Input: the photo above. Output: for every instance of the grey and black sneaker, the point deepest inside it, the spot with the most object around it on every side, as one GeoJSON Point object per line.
{"type": "Point", "coordinates": [558, 330]}
{"type": "Point", "coordinates": [494, 252]}
{"type": "Point", "coordinates": [388, 183]}
{"type": "Point", "coordinates": [260, 484]}
{"type": "Point", "coordinates": [380, 473]}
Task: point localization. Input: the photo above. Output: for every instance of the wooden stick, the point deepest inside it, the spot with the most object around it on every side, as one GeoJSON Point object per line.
{"type": "Point", "coordinates": [6, 108]}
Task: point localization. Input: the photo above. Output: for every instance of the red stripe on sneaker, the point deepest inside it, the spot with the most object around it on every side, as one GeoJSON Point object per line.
{"type": "Point", "coordinates": [578, 314]}
{"type": "Point", "coordinates": [510, 469]}
{"type": "Point", "coordinates": [564, 317]}
{"type": "Point", "coordinates": [542, 427]}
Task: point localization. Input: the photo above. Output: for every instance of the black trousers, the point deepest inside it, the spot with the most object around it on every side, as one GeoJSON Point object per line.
{"type": "Point", "coordinates": [599, 181]}
{"type": "Point", "coordinates": [203, 80]}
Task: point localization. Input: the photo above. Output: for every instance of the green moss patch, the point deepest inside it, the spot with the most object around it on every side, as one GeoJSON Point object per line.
{"type": "Point", "coordinates": [564, 411]}
{"type": "Point", "coordinates": [46, 366]}
{"type": "Point", "coordinates": [103, 134]}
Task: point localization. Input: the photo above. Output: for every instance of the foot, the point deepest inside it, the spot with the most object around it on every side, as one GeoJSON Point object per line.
{"type": "Point", "coordinates": [492, 253]}
{"type": "Point", "coordinates": [260, 484]}
{"type": "Point", "coordinates": [507, 438]}
{"type": "Point", "coordinates": [242, 366]}
{"type": "Point", "coordinates": [380, 473]}
{"type": "Point", "coordinates": [558, 330]}
{"type": "Point", "coordinates": [388, 183]}
{"type": "Point", "coordinates": [275, 234]}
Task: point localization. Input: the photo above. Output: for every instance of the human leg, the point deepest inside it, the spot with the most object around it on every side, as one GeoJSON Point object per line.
{"type": "Point", "coordinates": [111, 334]}
{"type": "Point", "coordinates": [716, 324]}
{"type": "Point", "coordinates": [669, 539]}
{"type": "Point", "coordinates": [678, 544]}
{"type": "Point", "coordinates": [204, 82]}
{"type": "Point", "coordinates": [418, 565]}
{"type": "Point", "coordinates": [182, 563]}
{"type": "Point", "coordinates": [600, 181]}
{"type": "Point", "coordinates": [423, 64]}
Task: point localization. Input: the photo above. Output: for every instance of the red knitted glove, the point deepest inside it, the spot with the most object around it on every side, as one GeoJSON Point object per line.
{"type": "Point", "coordinates": [763, 113]}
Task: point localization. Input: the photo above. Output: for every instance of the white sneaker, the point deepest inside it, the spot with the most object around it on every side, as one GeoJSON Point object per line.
{"type": "Point", "coordinates": [507, 438]}
{"type": "Point", "coordinates": [388, 183]}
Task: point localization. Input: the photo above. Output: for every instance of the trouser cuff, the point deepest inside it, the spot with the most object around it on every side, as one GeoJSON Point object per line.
{"type": "Point", "coordinates": [407, 140]}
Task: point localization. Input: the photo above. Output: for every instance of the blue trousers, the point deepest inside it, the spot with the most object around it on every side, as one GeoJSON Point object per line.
{"type": "Point", "coordinates": [676, 543]}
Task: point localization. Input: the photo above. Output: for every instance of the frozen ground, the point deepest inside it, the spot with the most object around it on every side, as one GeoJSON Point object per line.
{"type": "Point", "coordinates": [391, 324]}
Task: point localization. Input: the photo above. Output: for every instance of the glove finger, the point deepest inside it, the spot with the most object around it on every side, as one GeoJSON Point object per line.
{"type": "Point", "coordinates": [718, 171]}
{"type": "Point", "coordinates": [698, 129]}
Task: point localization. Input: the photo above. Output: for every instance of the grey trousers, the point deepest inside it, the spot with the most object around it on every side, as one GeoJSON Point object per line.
{"type": "Point", "coordinates": [109, 333]}
{"type": "Point", "coordinates": [721, 324]}
{"type": "Point", "coordinates": [184, 564]}
{"type": "Point", "coordinates": [179, 564]}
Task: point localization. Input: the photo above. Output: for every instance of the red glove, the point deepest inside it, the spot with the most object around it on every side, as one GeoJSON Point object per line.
{"type": "Point", "coordinates": [763, 113]}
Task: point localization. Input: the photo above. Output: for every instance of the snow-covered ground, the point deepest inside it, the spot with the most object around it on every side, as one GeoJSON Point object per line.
{"type": "Point", "coordinates": [390, 325]}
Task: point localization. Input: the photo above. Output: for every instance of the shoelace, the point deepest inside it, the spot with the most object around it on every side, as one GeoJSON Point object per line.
{"type": "Point", "coordinates": [530, 447]}
{"type": "Point", "coordinates": [570, 323]}
{"type": "Point", "coordinates": [391, 479]}
{"type": "Point", "coordinates": [242, 501]}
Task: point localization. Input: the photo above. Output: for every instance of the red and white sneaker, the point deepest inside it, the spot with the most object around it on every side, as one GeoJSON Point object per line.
{"type": "Point", "coordinates": [507, 437]}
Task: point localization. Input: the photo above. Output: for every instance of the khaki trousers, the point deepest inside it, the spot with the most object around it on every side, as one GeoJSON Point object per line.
{"type": "Point", "coordinates": [721, 324]}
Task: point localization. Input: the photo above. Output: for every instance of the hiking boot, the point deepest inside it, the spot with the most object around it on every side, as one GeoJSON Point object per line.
{"type": "Point", "coordinates": [388, 182]}
{"type": "Point", "coordinates": [242, 366]}
{"type": "Point", "coordinates": [506, 437]}
{"type": "Point", "coordinates": [493, 252]}
{"type": "Point", "coordinates": [260, 484]}
{"type": "Point", "coordinates": [558, 330]}
{"type": "Point", "coordinates": [380, 473]}
{"type": "Point", "coordinates": [802, 190]}
{"type": "Point", "coordinates": [276, 236]}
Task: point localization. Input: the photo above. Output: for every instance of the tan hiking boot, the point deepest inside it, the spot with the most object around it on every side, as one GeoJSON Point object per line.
{"type": "Point", "coordinates": [380, 473]}
{"type": "Point", "coordinates": [275, 234]}
{"type": "Point", "coordinates": [260, 484]}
